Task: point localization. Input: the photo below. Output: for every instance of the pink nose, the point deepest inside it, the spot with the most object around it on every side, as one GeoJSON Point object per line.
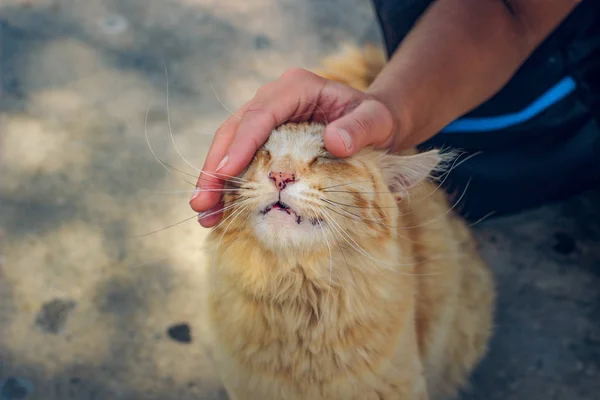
{"type": "Point", "coordinates": [282, 179]}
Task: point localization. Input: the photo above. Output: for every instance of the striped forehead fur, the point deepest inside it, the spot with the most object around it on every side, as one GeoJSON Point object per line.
{"type": "Point", "coordinates": [299, 141]}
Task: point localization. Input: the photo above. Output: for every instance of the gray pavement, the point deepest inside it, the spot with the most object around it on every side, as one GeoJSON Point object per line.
{"type": "Point", "coordinates": [89, 311]}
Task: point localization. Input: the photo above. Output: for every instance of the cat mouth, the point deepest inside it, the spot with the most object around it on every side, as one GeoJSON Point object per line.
{"type": "Point", "coordinates": [280, 206]}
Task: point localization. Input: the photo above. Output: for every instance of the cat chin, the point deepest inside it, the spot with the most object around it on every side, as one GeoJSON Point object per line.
{"type": "Point", "coordinates": [278, 230]}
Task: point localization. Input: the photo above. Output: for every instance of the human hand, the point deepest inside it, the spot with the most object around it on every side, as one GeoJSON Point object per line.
{"type": "Point", "coordinates": [354, 120]}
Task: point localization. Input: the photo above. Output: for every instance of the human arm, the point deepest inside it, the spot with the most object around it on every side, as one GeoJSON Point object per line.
{"type": "Point", "coordinates": [458, 55]}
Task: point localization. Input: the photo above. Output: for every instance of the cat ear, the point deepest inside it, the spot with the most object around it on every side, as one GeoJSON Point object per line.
{"type": "Point", "coordinates": [403, 172]}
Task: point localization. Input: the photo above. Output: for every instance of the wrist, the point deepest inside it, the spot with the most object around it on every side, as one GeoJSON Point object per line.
{"type": "Point", "coordinates": [399, 110]}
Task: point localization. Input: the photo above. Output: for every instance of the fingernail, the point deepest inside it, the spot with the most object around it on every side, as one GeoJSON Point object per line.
{"type": "Point", "coordinates": [209, 213]}
{"type": "Point", "coordinates": [223, 162]}
{"type": "Point", "coordinates": [345, 136]}
{"type": "Point", "coordinates": [196, 193]}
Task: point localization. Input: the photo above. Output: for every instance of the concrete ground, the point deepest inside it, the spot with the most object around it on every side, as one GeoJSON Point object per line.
{"type": "Point", "coordinates": [88, 310]}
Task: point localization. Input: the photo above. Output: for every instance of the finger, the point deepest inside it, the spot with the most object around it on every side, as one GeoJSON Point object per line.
{"type": "Point", "coordinates": [371, 123]}
{"type": "Point", "coordinates": [207, 195]}
{"type": "Point", "coordinates": [213, 216]}
{"type": "Point", "coordinates": [237, 141]}
{"type": "Point", "coordinates": [274, 105]}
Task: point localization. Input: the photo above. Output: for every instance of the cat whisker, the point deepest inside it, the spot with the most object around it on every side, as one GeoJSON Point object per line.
{"type": "Point", "coordinates": [332, 221]}
{"type": "Point", "coordinates": [171, 167]}
{"type": "Point", "coordinates": [480, 220]}
{"type": "Point", "coordinates": [169, 124]}
{"type": "Point", "coordinates": [312, 112]}
{"type": "Point", "coordinates": [333, 234]}
{"type": "Point", "coordinates": [351, 216]}
{"type": "Point", "coordinates": [421, 198]}
{"type": "Point", "coordinates": [166, 227]}
{"type": "Point", "coordinates": [368, 191]}
{"type": "Point", "coordinates": [217, 180]}
{"type": "Point", "coordinates": [211, 174]}
{"type": "Point", "coordinates": [329, 222]}
{"type": "Point", "coordinates": [444, 214]}
{"type": "Point", "coordinates": [350, 270]}
{"type": "Point", "coordinates": [152, 150]}
{"type": "Point", "coordinates": [377, 221]}
{"type": "Point", "coordinates": [446, 174]}
{"type": "Point", "coordinates": [179, 170]}
{"type": "Point", "coordinates": [227, 207]}
{"type": "Point", "coordinates": [345, 184]}
{"type": "Point", "coordinates": [330, 265]}
{"type": "Point", "coordinates": [375, 262]}
{"type": "Point", "coordinates": [355, 217]}
{"type": "Point", "coordinates": [224, 189]}
{"type": "Point", "coordinates": [200, 215]}
{"type": "Point", "coordinates": [338, 180]}
{"type": "Point", "coordinates": [212, 87]}
{"type": "Point", "coordinates": [353, 206]}
{"type": "Point", "coordinates": [190, 191]}
{"type": "Point", "coordinates": [233, 215]}
{"type": "Point", "coordinates": [223, 177]}
{"type": "Point", "coordinates": [458, 163]}
{"type": "Point", "coordinates": [359, 192]}
{"type": "Point", "coordinates": [347, 237]}
{"type": "Point", "coordinates": [372, 260]}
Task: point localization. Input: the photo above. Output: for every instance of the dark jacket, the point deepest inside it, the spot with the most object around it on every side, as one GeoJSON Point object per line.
{"type": "Point", "coordinates": [539, 136]}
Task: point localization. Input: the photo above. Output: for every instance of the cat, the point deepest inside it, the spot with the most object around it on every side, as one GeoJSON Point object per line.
{"type": "Point", "coordinates": [344, 278]}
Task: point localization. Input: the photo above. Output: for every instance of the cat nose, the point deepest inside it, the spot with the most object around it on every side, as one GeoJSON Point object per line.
{"type": "Point", "coordinates": [282, 179]}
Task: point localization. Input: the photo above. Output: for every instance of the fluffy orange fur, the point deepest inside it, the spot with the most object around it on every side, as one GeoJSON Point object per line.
{"type": "Point", "coordinates": [356, 281]}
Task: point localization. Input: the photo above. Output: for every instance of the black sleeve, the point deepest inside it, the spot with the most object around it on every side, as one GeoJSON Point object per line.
{"type": "Point", "coordinates": [396, 19]}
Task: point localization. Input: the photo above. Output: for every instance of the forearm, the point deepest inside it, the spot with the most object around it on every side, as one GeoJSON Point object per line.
{"type": "Point", "coordinates": [457, 56]}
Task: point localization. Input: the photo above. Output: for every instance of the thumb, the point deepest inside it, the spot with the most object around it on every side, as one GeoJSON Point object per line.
{"type": "Point", "coordinates": [371, 123]}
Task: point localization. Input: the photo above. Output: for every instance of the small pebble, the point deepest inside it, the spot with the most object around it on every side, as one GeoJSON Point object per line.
{"type": "Point", "coordinates": [53, 315]}
{"type": "Point", "coordinates": [564, 244]}
{"type": "Point", "coordinates": [180, 333]}
{"type": "Point", "coordinates": [113, 24]}
{"type": "Point", "coordinates": [15, 388]}
{"type": "Point", "coordinates": [262, 42]}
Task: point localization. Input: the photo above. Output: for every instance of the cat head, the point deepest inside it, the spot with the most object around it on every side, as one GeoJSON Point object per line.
{"type": "Point", "coordinates": [297, 197]}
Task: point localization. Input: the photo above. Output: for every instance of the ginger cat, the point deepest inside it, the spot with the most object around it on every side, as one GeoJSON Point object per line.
{"type": "Point", "coordinates": [344, 278]}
